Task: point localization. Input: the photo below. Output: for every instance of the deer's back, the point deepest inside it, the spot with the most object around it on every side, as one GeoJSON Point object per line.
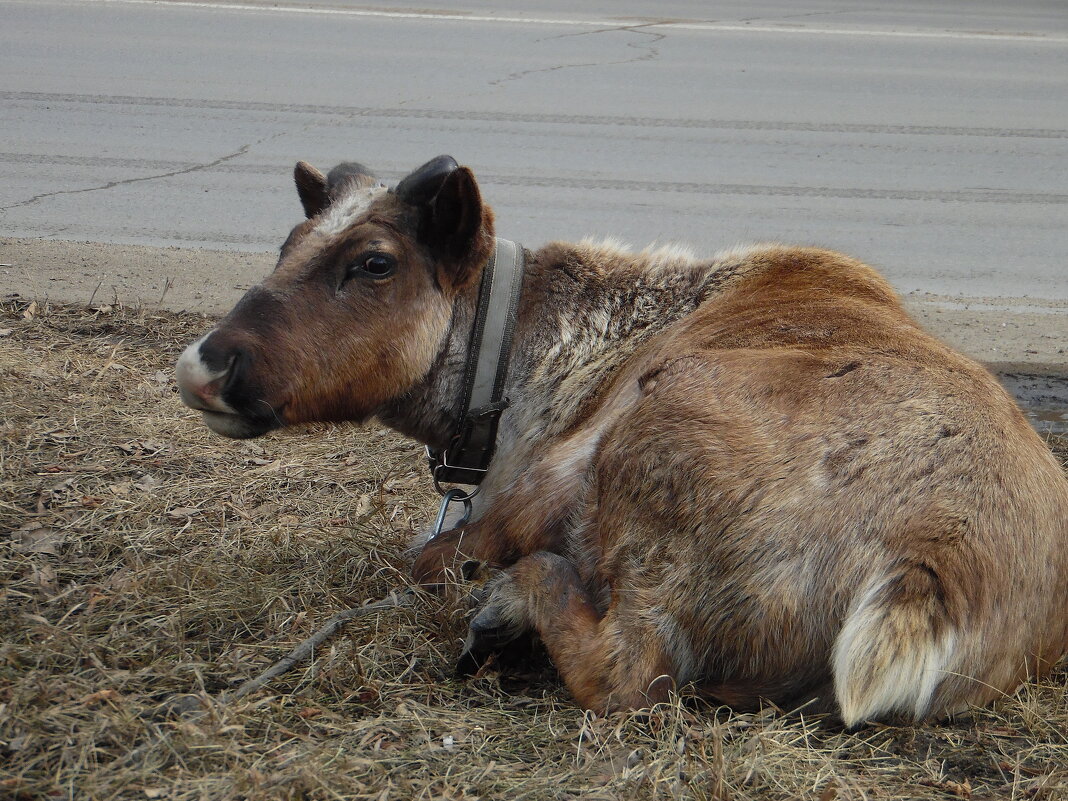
{"type": "Point", "coordinates": [798, 436]}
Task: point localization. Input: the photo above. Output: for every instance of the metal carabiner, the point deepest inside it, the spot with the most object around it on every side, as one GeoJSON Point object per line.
{"type": "Point", "coordinates": [451, 496]}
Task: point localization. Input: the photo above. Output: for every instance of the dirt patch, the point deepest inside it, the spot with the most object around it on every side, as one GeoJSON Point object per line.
{"type": "Point", "coordinates": [143, 559]}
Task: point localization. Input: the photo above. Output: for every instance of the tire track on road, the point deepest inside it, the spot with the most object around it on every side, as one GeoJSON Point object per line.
{"type": "Point", "coordinates": [489, 178]}
{"type": "Point", "coordinates": [534, 117]}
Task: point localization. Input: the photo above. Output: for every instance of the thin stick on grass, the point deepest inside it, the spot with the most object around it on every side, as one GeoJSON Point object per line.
{"type": "Point", "coordinates": [395, 600]}
{"type": "Point", "coordinates": [98, 283]}
{"type": "Point", "coordinates": [194, 711]}
{"type": "Point", "coordinates": [167, 284]}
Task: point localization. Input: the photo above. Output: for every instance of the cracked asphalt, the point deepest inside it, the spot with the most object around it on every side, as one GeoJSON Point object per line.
{"type": "Point", "coordinates": [148, 143]}
{"type": "Point", "coordinates": [126, 181]}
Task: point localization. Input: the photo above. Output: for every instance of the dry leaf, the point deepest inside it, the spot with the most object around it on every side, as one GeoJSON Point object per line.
{"type": "Point", "coordinates": [100, 696]}
{"type": "Point", "coordinates": [264, 510]}
{"type": "Point", "coordinates": [62, 486]}
{"type": "Point", "coordinates": [959, 789]}
{"type": "Point", "coordinates": [44, 576]}
{"type": "Point", "coordinates": [95, 597]}
{"type": "Point", "coordinates": [147, 483]}
{"type": "Point", "coordinates": [183, 512]}
{"type": "Point", "coordinates": [33, 538]}
{"type": "Point", "coordinates": [125, 579]}
{"type": "Point", "coordinates": [142, 447]}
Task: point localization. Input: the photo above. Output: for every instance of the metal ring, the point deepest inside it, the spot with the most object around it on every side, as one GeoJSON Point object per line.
{"type": "Point", "coordinates": [461, 495]}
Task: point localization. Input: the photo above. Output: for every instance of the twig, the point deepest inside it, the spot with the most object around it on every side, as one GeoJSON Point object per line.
{"type": "Point", "coordinates": [303, 651]}
{"type": "Point", "coordinates": [191, 708]}
{"type": "Point", "coordinates": [98, 283]}
{"type": "Point", "coordinates": [167, 284]}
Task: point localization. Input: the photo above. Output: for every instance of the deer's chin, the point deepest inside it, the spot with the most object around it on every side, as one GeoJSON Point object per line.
{"type": "Point", "coordinates": [235, 426]}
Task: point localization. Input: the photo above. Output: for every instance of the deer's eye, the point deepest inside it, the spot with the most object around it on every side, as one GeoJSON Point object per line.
{"type": "Point", "coordinates": [372, 265]}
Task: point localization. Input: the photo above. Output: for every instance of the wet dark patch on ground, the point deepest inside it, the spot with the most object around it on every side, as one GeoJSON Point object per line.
{"type": "Point", "coordinates": [1044, 399]}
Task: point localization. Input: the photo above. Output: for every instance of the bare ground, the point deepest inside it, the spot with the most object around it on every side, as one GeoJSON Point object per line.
{"type": "Point", "coordinates": [148, 566]}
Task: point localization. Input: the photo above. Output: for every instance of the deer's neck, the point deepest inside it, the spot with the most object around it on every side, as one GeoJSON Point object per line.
{"type": "Point", "coordinates": [584, 311]}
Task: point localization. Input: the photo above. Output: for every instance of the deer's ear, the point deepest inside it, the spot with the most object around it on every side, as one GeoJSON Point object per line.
{"type": "Point", "coordinates": [455, 218]}
{"type": "Point", "coordinates": [311, 188]}
{"type": "Point", "coordinates": [453, 224]}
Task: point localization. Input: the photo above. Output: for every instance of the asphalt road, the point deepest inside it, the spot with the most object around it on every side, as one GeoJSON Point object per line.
{"type": "Point", "coordinates": [931, 142]}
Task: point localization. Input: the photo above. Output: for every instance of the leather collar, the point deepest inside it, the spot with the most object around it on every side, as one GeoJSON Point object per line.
{"type": "Point", "coordinates": [467, 457]}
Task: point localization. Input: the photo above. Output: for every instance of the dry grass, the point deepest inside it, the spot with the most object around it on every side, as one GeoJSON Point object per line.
{"type": "Point", "coordinates": [143, 558]}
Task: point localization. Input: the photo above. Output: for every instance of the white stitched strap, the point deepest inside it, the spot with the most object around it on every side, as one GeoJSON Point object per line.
{"type": "Point", "coordinates": [496, 330]}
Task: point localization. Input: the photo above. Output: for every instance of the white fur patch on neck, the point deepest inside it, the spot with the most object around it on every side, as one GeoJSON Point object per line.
{"type": "Point", "coordinates": [605, 244]}
{"type": "Point", "coordinates": [669, 253]}
{"type": "Point", "coordinates": [655, 254]}
{"type": "Point", "coordinates": [742, 252]}
{"type": "Point", "coordinates": [344, 212]}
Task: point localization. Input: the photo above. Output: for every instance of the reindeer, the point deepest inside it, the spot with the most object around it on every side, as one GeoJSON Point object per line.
{"type": "Point", "coordinates": [753, 474]}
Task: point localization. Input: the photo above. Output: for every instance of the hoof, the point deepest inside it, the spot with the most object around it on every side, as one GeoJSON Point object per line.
{"type": "Point", "coordinates": [498, 622]}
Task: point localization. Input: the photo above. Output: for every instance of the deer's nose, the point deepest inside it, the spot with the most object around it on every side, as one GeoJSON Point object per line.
{"type": "Point", "coordinates": [203, 371]}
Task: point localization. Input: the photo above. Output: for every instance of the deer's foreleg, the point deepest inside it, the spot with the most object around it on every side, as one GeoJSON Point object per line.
{"type": "Point", "coordinates": [607, 661]}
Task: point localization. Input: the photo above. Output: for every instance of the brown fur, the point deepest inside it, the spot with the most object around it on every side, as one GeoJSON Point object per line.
{"type": "Point", "coordinates": [754, 474]}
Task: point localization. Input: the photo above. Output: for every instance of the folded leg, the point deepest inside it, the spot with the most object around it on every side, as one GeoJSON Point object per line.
{"type": "Point", "coordinates": [610, 661]}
